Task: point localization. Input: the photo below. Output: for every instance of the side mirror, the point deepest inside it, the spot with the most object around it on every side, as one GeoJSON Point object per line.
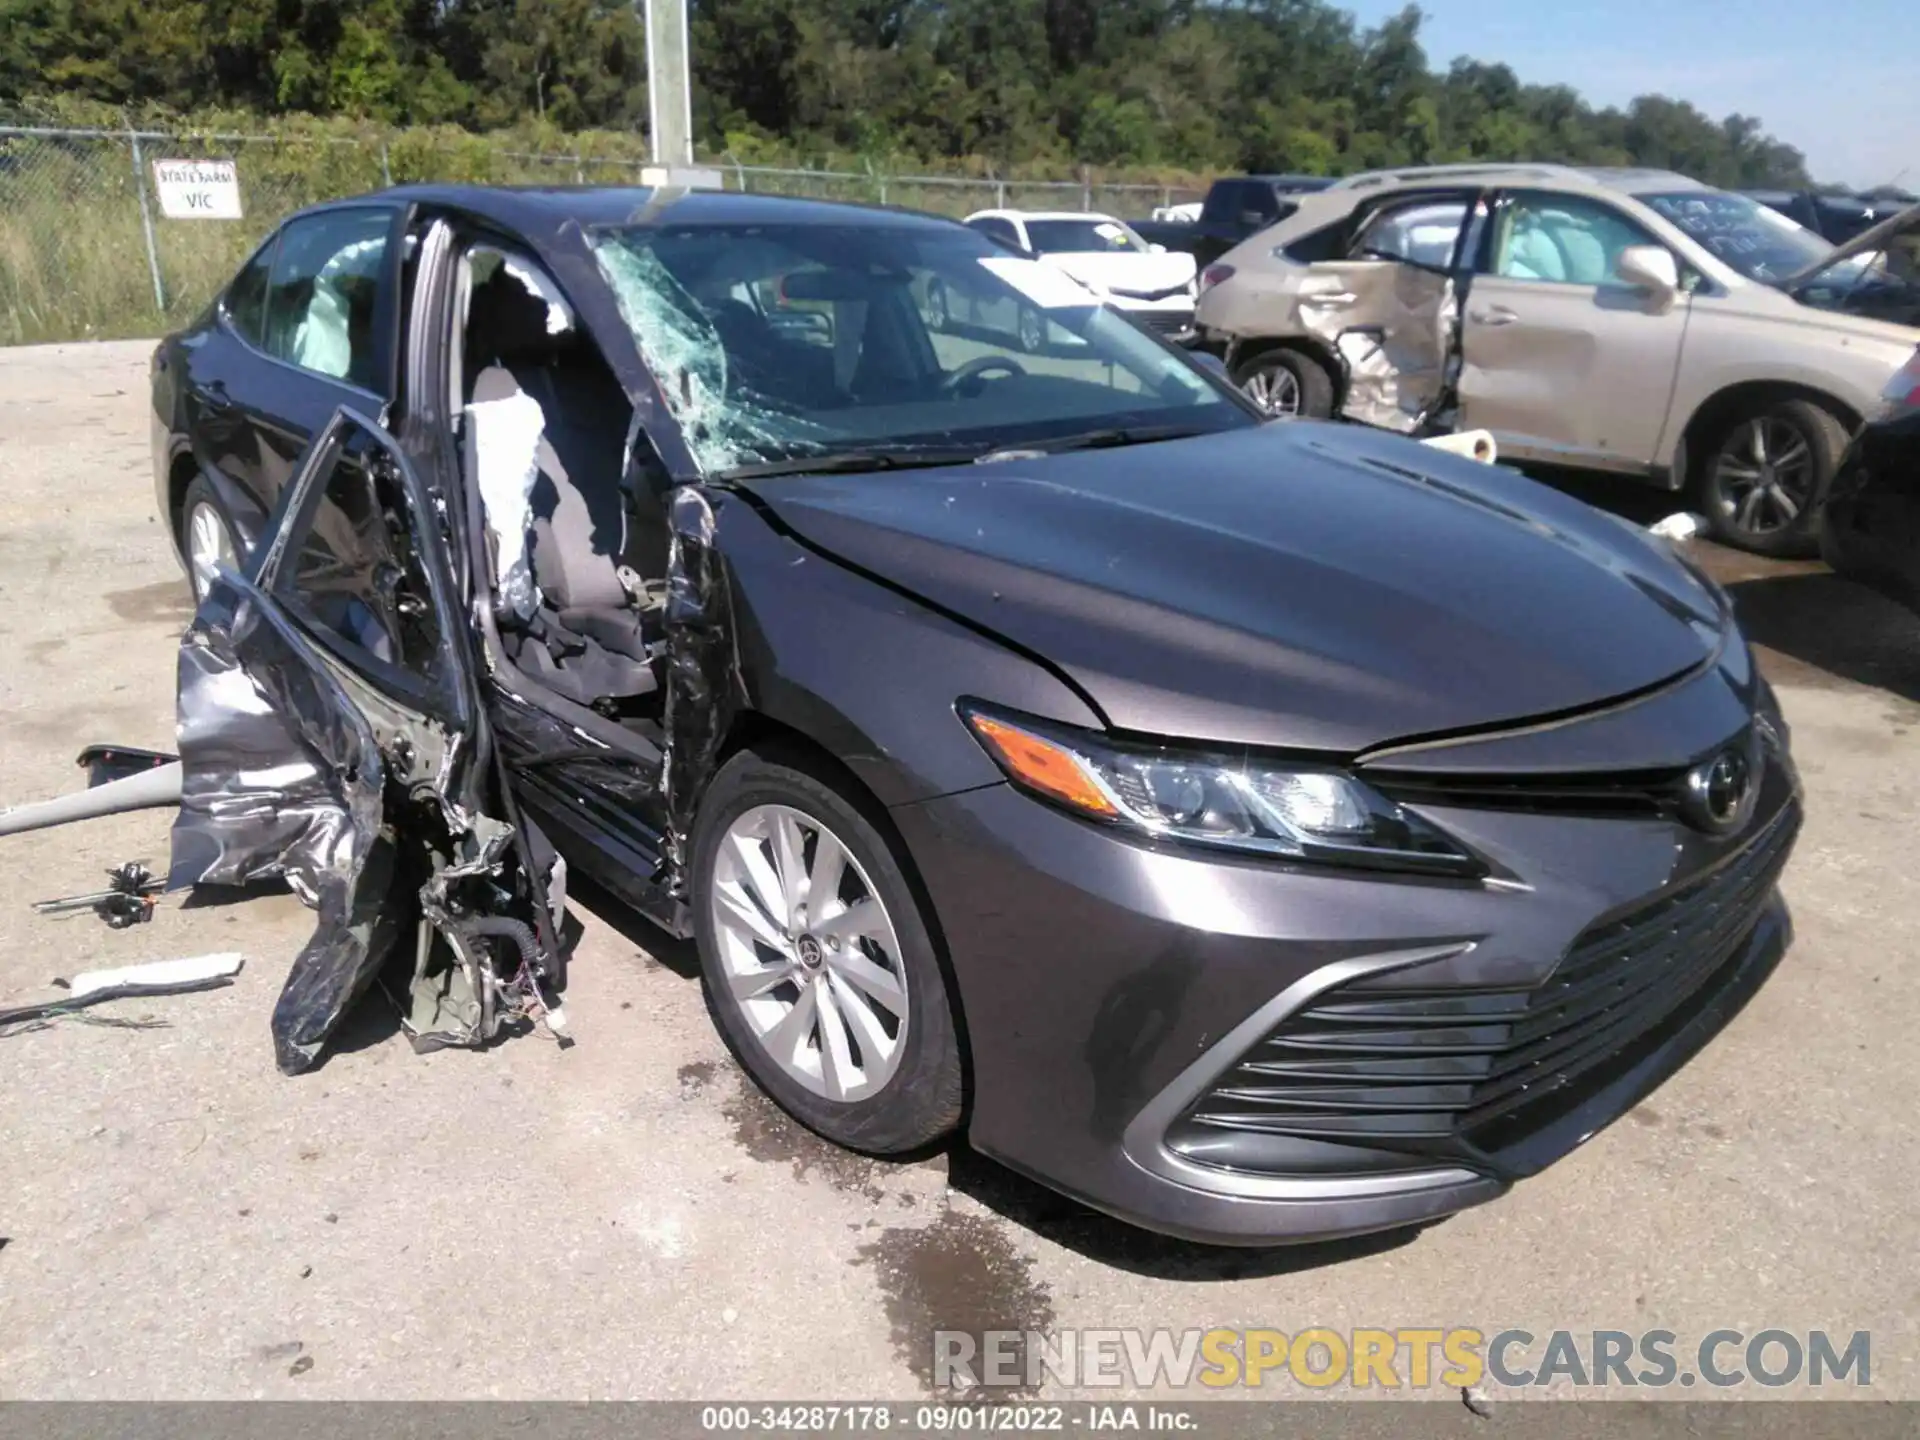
{"type": "Point", "coordinates": [1156, 249]}
{"type": "Point", "coordinates": [1209, 362]}
{"type": "Point", "coordinates": [1254, 218]}
{"type": "Point", "coordinates": [1651, 268]}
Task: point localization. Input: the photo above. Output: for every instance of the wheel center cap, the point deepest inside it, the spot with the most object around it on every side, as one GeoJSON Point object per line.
{"type": "Point", "coordinates": [808, 949]}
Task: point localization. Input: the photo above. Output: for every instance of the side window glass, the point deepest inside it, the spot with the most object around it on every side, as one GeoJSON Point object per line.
{"type": "Point", "coordinates": [246, 298]}
{"type": "Point", "coordinates": [1424, 234]}
{"type": "Point", "coordinates": [324, 292]}
{"type": "Point", "coordinates": [1565, 239]}
{"type": "Point", "coordinates": [355, 571]}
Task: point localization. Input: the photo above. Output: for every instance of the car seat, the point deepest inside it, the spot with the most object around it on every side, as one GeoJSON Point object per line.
{"type": "Point", "coordinates": [594, 618]}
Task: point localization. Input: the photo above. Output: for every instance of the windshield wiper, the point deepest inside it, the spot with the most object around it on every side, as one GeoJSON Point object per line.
{"type": "Point", "coordinates": [849, 462]}
{"type": "Point", "coordinates": [1108, 439]}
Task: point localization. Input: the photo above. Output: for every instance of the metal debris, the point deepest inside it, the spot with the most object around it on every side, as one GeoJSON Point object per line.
{"type": "Point", "coordinates": [127, 900]}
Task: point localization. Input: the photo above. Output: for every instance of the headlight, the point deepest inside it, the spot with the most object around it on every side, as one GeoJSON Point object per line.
{"type": "Point", "coordinates": [1307, 812]}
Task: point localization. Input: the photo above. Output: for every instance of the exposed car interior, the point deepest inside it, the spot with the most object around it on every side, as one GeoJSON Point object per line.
{"type": "Point", "coordinates": [579, 555]}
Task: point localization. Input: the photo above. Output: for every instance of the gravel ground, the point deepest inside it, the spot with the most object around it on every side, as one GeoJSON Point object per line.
{"type": "Point", "coordinates": [626, 1218]}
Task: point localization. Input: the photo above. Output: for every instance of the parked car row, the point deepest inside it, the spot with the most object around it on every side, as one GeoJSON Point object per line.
{"type": "Point", "coordinates": [1628, 321]}
{"type": "Point", "coordinates": [1033, 735]}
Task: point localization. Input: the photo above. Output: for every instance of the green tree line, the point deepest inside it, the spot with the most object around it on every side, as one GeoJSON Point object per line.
{"type": "Point", "coordinates": [1195, 85]}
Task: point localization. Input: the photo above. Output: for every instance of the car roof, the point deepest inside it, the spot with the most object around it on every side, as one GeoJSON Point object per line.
{"type": "Point", "coordinates": [541, 210]}
{"type": "Point", "coordinates": [1591, 179]}
{"type": "Point", "coordinates": [1010, 214]}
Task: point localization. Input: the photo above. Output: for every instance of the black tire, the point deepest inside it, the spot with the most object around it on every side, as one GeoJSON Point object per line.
{"type": "Point", "coordinates": [200, 494]}
{"type": "Point", "coordinates": [921, 1103]}
{"type": "Point", "coordinates": [1725, 456]}
{"type": "Point", "coordinates": [1307, 377]}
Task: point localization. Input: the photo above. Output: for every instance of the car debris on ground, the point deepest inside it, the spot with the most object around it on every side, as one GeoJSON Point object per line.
{"type": "Point", "coordinates": [153, 977]}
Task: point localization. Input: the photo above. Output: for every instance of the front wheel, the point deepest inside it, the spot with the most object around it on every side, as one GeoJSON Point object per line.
{"type": "Point", "coordinates": [1766, 476]}
{"type": "Point", "coordinates": [817, 964]}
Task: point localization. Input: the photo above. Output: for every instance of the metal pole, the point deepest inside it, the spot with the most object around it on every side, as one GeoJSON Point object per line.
{"type": "Point", "coordinates": [146, 223]}
{"type": "Point", "coordinates": [669, 89]}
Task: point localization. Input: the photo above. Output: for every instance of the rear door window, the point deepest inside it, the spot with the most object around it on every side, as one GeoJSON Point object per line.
{"type": "Point", "coordinates": [327, 294]}
{"type": "Point", "coordinates": [355, 574]}
{"type": "Point", "coordinates": [246, 298]}
{"type": "Point", "coordinates": [1422, 233]}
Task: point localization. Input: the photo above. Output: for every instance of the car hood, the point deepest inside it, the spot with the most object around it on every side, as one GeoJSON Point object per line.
{"type": "Point", "coordinates": [1127, 272]}
{"type": "Point", "coordinates": [1296, 585]}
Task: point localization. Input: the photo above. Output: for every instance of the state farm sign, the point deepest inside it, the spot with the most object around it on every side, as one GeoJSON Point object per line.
{"type": "Point", "coordinates": [197, 189]}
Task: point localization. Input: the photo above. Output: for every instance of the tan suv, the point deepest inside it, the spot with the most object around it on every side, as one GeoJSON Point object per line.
{"type": "Point", "coordinates": [1632, 321]}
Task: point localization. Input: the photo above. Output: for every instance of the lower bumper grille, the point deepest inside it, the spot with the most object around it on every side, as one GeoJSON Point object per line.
{"type": "Point", "coordinates": [1166, 322]}
{"type": "Point", "coordinates": [1462, 1074]}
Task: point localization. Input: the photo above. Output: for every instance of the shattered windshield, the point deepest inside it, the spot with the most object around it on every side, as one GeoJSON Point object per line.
{"type": "Point", "coordinates": [1758, 241]}
{"type": "Point", "coordinates": [773, 343]}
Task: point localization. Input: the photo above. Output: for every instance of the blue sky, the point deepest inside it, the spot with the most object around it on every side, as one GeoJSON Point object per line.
{"type": "Point", "coordinates": [1837, 78]}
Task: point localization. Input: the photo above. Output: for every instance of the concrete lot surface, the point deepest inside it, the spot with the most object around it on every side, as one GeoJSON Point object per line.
{"type": "Point", "coordinates": [627, 1218]}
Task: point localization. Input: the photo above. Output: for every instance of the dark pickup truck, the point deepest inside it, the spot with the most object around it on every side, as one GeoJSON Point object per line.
{"type": "Point", "coordinates": [1835, 218]}
{"type": "Point", "coordinates": [1234, 209]}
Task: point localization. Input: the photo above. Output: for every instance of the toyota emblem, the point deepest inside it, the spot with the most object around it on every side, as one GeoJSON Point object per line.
{"type": "Point", "coordinates": [1721, 792]}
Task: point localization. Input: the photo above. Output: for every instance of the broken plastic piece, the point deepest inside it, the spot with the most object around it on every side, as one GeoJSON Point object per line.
{"type": "Point", "coordinates": [155, 977]}
{"type": "Point", "coordinates": [104, 763]}
{"type": "Point", "coordinates": [1682, 525]}
{"type": "Point", "coordinates": [144, 791]}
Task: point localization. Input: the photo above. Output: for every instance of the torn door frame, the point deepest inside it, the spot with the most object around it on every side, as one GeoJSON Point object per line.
{"type": "Point", "coordinates": [296, 765]}
{"type": "Point", "coordinates": [1377, 356]}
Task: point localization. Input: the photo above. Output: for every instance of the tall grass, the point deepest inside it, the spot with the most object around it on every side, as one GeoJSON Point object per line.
{"type": "Point", "coordinates": [73, 254]}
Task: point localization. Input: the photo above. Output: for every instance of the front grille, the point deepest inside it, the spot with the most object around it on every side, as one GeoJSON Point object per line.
{"type": "Point", "coordinates": [1463, 1074]}
{"type": "Point", "coordinates": [1166, 322]}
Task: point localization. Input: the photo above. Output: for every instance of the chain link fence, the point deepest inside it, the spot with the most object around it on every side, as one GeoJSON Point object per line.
{"type": "Point", "coordinates": [87, 254]}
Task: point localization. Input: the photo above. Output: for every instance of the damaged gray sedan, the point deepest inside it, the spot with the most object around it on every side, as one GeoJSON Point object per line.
{"type": "Point", "coordinates": [1259, 831]}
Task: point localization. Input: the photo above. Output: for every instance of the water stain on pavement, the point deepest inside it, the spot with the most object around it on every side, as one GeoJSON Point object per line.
{"type": "Point", "coordinates": [695, 1077]}
{"type": "Point", "coordinates": [765, 1132]}
{"type": "Point", "coordinates": [169, 601]}
{"type": "Point", "coordinates": [960, 1273]}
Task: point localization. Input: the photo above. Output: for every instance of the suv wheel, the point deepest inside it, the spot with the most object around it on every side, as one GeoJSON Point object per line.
{"type": "Point", "coordinates": [206, 539]}
{"type": "Point", "coordinates": [1032, 327]}
{"type": "Point", "coordinates": [1766, 476]}
{"type": "Point", "coordinates": [1286, 383]}
{"type": "Point", "coordinates": [816, 962]}
{"type": "Point", "coordinates": [939, 311]}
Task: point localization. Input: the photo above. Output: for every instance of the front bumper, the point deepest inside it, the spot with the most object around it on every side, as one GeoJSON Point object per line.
{"type": "Point", "coordinates": [1106, 986]}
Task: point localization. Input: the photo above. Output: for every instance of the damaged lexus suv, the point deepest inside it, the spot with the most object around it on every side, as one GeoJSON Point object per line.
{"type": "Point", "coordinates": [1259, 831]}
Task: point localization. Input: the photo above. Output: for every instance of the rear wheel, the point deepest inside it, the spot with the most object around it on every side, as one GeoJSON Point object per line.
{"type": "Point", "coordinates": [817, 963]}
{"type": "Point", "coordinates": [1286, 383]}
{"type": "Point", "coordinates": [206, 539]}
{"type": "Point", "coordinates": [1766, 474]}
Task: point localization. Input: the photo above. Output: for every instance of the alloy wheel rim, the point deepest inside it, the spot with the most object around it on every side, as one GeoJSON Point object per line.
{"type": "Point", "coordinates": [208, 546]}
{"type": "Point", "coordinates": [1763, 476]}
{"type": "Point", "coordinates": [1033, 329]}
{"type": "Point", "coordinates": [937, 307]}
{"type": "Point", "coordinates": [1274, 390]}
{"type": "Point", "coordinates": [808, 953]}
